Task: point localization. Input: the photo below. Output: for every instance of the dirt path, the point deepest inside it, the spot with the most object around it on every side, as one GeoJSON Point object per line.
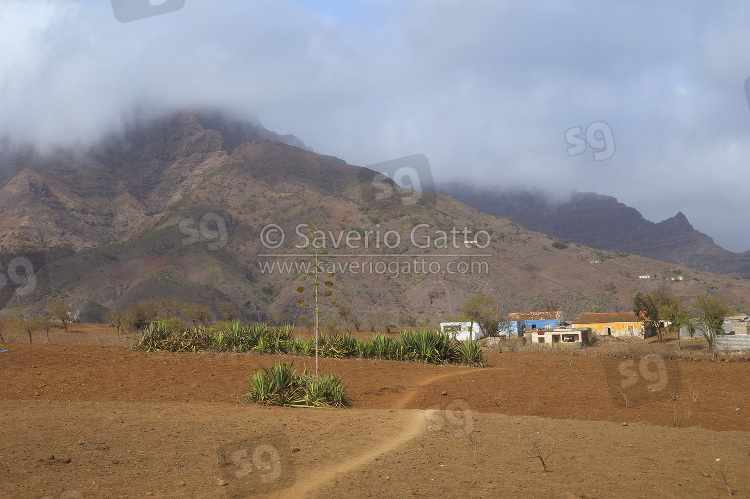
{"type": "Point", "coordinates": [413, 427]}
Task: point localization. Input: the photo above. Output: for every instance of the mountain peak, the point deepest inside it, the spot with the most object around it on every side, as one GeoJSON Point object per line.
{"type": "Point", "coordinates": [677, 224]}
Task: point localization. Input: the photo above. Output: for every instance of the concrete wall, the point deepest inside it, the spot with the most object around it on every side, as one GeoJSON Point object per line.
{"type": "Point", "coordinates": [733, 342]}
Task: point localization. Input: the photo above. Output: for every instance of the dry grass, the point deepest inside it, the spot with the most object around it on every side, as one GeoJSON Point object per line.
{"type": "Point", "coordinates": [691, 349]}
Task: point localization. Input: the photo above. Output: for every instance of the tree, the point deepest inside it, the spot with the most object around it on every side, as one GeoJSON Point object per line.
{"type": "Point", "coordinates": [407, 319]}
{"type": "Point", "coordinates": [198, 314]}
{"type": "Point", "coordinates": [33, 323]}
{"type": "Point", "coordinates": [228, 310]}
{"type": "Point", "coordinates": [305, 322]}
{"type": "Point", "coordinates": [677, 316]}
{"type": "Point", "coordinates": [648, 308]}
{"type": "Point", "coordinates": [710, 316]}
{"type": "Point", "coordinates": [142, 311]}
{"type": "Point", "coordinates": [58, 309]}
{"type": "Point", "coordinates": [167, 306]}
{"type": "Point", "coordinates": [483, 311]}
{"type": "Point", "coordinates": [348, 317]}
{"type": "Point", "coordinates": [116, 319]}
{"type": "Point", "coordinates": [381, 320]}
{"type": "Point", "coordinates": [503, 324]}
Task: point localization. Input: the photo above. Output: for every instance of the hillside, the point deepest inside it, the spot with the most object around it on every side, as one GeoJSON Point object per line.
{"type": "Point", "coordinates": [602, 222]}
{"type": "Point", "coordinates": [177, 207]}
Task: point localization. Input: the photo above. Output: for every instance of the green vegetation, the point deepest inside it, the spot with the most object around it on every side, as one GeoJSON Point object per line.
{"type": "Point", "coordinates": [432, 347]}
{"type": "Point", "coordinates": [58, 310]}
{"type": "Point", "coordinates": [710, 316]}
{"type": "Point", "coordinates": [559, 245]}
{"type": "Point", "coordinates": [608, 255]}
{"type": "Point", "coordinates": [281, 384]}
{"type": "Point", "coordinates": [483, 311]}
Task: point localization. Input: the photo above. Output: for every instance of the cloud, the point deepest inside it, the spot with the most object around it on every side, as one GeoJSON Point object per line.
{"type": "Point", "coordinates": [484, 89]}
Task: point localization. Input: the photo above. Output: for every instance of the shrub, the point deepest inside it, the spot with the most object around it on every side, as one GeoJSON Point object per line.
{"type": "Point", "coordinates": [280, 384]}
{"type": "Point", "coordinates": [433, 347]}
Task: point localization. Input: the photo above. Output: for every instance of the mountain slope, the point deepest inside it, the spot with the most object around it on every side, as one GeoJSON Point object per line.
{"type": "Point", "coordinates": [604, 223]}
{"type": "Point", "coordinates": [177, 207]}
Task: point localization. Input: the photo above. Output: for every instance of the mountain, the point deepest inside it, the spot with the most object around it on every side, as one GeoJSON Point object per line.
{"type": "Point", "coordinates": [178, 206]}
{"type": "Point", "coordinates": [602, 222]}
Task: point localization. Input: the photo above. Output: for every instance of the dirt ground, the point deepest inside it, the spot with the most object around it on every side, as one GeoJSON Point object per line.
{"type": "Point", "coordinates": [85, 416]}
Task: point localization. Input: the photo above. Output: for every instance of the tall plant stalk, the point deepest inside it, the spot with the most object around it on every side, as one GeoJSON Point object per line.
{"type": "Point", "coordinates": [315, 274]}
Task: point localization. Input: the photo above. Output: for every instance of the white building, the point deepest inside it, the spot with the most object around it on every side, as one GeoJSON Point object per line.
{"type": "Point", "coordinates": [463, 331]}
{"type": "Point", "coordinates": [560, 335]}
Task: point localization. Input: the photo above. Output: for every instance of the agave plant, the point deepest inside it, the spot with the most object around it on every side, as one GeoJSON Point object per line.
{"type": "Point", "coordinates": [280, 384]}
{"type": "Point", "coordinates": [470, 353]}
{"type": "Point", "coordinates": [220, 341]}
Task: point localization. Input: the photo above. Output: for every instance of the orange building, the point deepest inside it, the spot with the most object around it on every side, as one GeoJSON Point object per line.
{"type": "Point", "coordinates": [611, 323]}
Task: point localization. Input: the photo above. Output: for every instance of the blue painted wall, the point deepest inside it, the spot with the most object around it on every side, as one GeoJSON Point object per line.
{"type": "Point", "coordinates": [516, 326]}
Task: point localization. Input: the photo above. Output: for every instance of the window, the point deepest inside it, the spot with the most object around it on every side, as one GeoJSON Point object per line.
{"type": "Point", "coordinates": [630, 329]}
{"type": "Point", "coordinates": [609, 331]}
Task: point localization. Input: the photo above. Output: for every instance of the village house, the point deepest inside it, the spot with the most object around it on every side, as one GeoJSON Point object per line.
{"type": "Point", "coordinates": [559, 336]}
{"type": "Point", "coordinates": [463, 331]}
{"type": "Point", "coordinates": [736, 324]}
{"type": "Point", "coordinates": [611, 323]}
{"type": "Point", "coordinates": [518, 322]}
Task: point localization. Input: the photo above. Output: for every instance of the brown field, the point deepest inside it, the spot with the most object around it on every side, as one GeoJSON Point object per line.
{"type": "Point", "coordinates": [85, 416]}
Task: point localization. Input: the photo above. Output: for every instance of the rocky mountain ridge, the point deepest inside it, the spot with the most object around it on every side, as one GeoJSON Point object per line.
{"type": "Point", "coordinates": [602, 222]}
{"type": "Point", "coordinates": [178, 207]}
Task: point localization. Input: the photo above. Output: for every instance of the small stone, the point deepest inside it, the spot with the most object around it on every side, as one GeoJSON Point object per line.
{"type": "Point", "coordinates": [296, 449]}
{"type": "Point", "coordinates": [149, 494]}
{"type": "Point", "coordinates": [222, 482]}
{"type": "Point", "coordinates": [444, 393]}
{"type": "Point", "coordinates": [624, 424]}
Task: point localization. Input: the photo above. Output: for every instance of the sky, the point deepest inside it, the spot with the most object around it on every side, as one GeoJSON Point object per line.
{"type": "Point", "coordinates": [644, 101]}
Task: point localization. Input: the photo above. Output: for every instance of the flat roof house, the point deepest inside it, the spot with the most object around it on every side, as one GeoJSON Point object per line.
{"type": "Point", "coordinates": [462, 331]}
{"type": "Point", "coordinates": [518, 322]}
{"type": "Point", "coordinates": [736, 324]}
{"type": "Point", "coordinates": [611, 323]}
{"type": "Point", "coordinates": [576, 337]}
